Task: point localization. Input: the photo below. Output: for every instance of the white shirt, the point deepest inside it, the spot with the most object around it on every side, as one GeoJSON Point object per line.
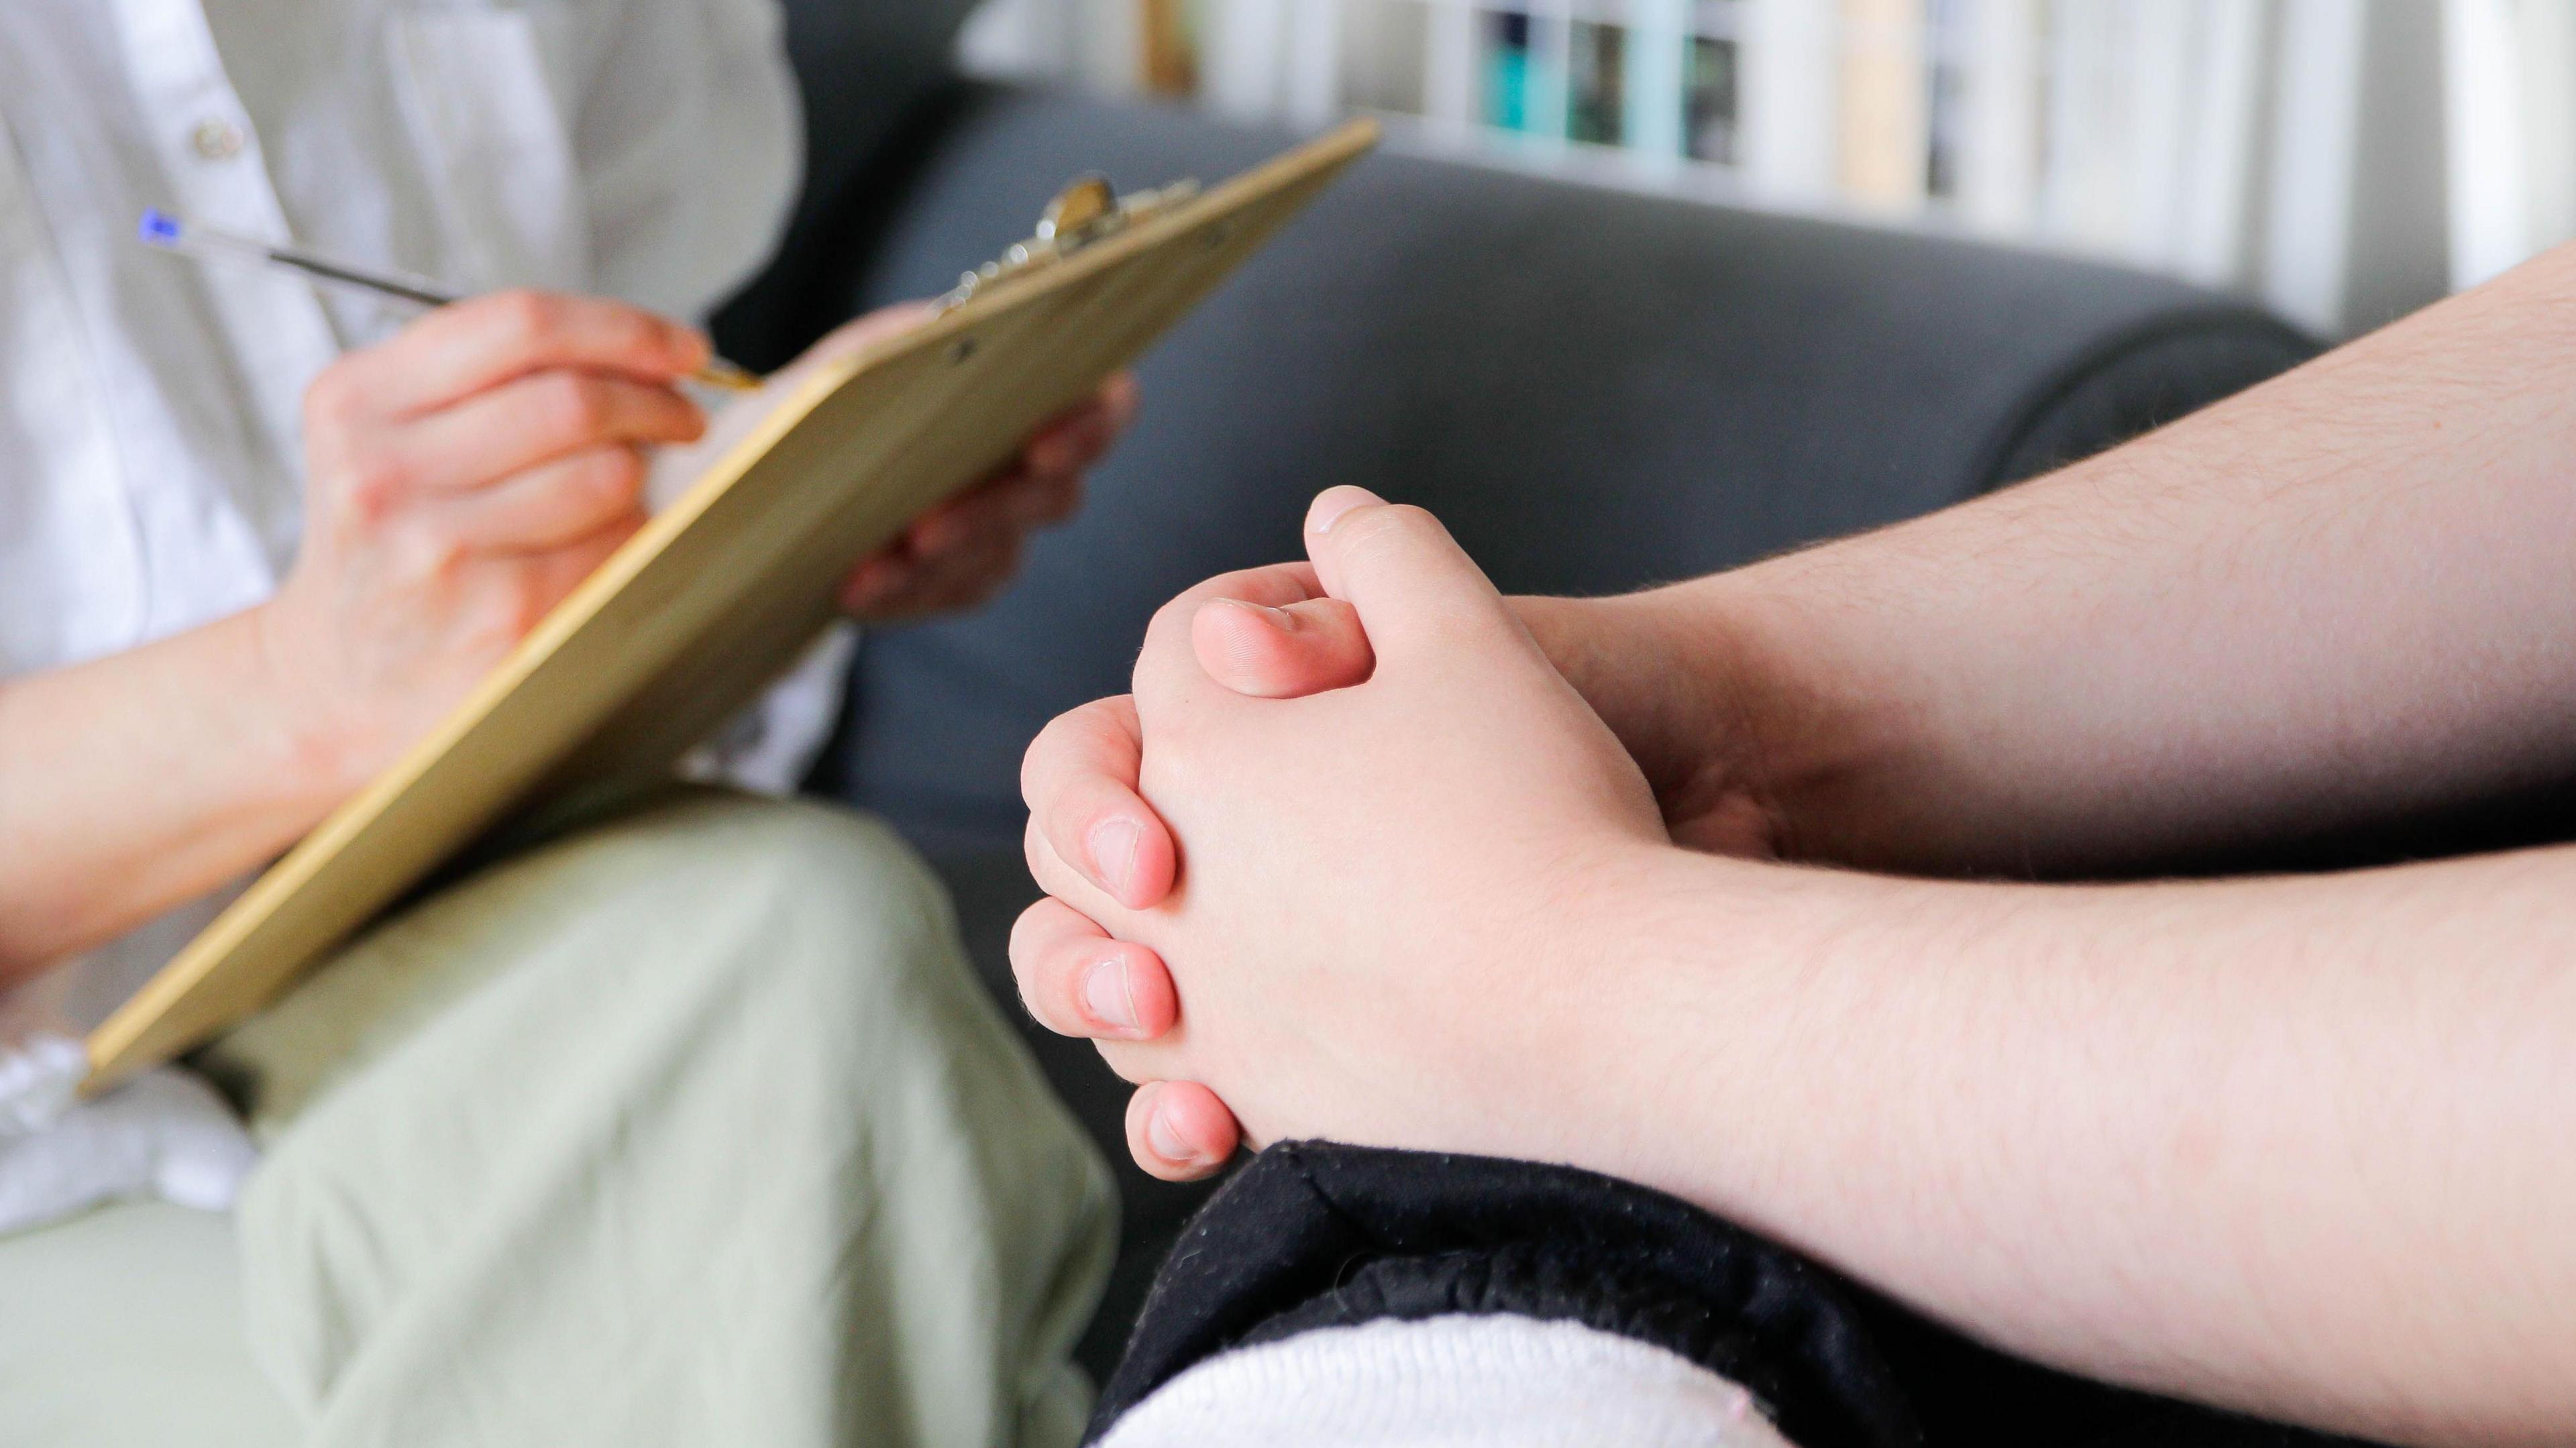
{"type": "Point", "coordinates": [150, 479]}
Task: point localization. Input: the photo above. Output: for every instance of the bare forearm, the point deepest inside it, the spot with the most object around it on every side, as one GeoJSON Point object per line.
{"type": "Point", "coordinates": [2338, 597]}
{"type": "Point", "coordinates": [2300, 1146]}
{"type": "Point", "coordinates": [141, 781]}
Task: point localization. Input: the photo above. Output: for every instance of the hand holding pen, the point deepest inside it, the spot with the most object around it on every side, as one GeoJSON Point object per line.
{"type": "Point", "coordinates": [954, 556]}
{"type": "Point", "coordinates": [161, 229]}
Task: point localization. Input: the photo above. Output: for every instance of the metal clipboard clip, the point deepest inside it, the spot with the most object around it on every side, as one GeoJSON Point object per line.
{"type": "Point", "coordinates": [1086, 211]}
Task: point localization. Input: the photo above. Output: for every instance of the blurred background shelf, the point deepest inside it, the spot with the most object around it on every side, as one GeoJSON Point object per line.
{"type": "Point", "coordinates": [2343, 161]}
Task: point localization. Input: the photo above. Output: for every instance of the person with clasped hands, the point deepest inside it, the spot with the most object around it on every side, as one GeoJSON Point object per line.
{"type": "Point", "coordinates": [685, 1126]}
{"type": "Point", "coordinates": [1729, 888]}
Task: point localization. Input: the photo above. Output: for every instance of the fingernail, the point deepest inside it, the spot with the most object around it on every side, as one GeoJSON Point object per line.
{"type": "Point", "coordinates": [1278, 618]}
{"type": "Point", "coordinates": [1334, 502]}
{"type": "Point", "coordinates": [1107, 996]}
{"type": "Point", "coordinates": [1113, 852]}
{"type": "Point", "coordinates": [1166, 1142]}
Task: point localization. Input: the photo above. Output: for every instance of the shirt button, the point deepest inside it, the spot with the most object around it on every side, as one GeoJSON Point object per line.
{"type": "Point", "coordinates": [216, 139]}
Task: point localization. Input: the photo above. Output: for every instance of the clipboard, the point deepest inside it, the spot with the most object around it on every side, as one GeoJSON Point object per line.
{"type": "Point", "coordinates": [722, 591]}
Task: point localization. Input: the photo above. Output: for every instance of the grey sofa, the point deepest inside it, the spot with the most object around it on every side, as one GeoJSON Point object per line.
{"type": "Point", "coordinates": [1596, 390]}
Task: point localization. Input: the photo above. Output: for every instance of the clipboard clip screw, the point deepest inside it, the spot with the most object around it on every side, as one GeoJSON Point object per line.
{"type": "Point", "coordinates": [1086, 211]}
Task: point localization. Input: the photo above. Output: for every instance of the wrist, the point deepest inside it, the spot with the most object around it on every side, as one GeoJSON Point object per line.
{"type": "Point", "coordinates": [1598, 962]}
{"type": "Point", "coordinates": [1724, 693]}
{"type": "Point", "coordinates": [316, 754]}
{"type": "Point", "coordinates": [1520, 1070]}
{"type": "Point", "coordinates": [1805, 738]}
{"type": "Point", "coordinates": [1651, 682]}
{"type": "Point", "coordinates": [1714, 989]}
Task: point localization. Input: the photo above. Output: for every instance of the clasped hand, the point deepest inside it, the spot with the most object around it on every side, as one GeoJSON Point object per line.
{"type": "Point", "coordinates": [1328, 870]}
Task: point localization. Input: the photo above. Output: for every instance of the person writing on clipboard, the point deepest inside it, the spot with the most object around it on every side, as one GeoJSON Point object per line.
{"type": "Point", "coordinates": [687, 1127]}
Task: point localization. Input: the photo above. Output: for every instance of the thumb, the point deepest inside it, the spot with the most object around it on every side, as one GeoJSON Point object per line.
{"type": "Point", "coordinates": [860, 333]}
{"type": "Point", "coordinates": [1414, 588]}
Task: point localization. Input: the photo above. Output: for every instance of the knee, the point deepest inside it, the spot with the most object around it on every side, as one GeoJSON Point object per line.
{"type": "Point", "coordinates": [828, 873]}
{"type": "Point", "coordinates": [827, 911]}
{"type": "Point", "coordinates": [841, 971]}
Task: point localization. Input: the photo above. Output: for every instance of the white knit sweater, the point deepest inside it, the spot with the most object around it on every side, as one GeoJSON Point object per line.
{"type": "Point", "coordinates": [1489, 1381]}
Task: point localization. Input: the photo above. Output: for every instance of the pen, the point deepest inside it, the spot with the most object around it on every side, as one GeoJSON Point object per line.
{"type": "Point", "coordinates": [168, 232]}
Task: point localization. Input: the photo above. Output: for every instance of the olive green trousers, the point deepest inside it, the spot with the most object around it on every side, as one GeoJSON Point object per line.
{"type": "Point", "coordinates": [688, 1128]}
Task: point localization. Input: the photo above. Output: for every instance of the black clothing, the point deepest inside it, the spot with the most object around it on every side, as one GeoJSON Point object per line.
{"type": "Point", "coordinates": [1314, 1235]}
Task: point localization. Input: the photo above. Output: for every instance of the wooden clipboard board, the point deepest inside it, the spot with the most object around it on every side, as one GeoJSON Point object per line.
{"type": "Point", "coordinates": [723, 591]}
